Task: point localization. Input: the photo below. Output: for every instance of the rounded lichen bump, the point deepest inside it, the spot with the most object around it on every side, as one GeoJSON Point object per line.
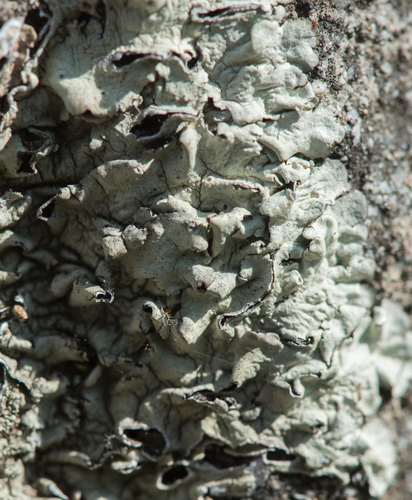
{"type": "Point", "coordinates": [185, 295]}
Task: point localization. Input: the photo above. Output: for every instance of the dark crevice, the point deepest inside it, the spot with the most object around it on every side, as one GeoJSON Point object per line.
{"type": "Point", "coordinates": [386, 394]}
{"type": "Point", "coordinates": [206, 396]}
{"type": "Point", "coordinates": [202, 288]}
{"type": "Point", "coordinates": [289, 262]}
{"type": "Point", "coordinates": [21, 387]}
{"type": "Point", "coordinates": [123, 59]}
{"type": "Point", "coordinates": [318, 161]}
{"type": "Point", "coordinates": [46, 211]}
{"type": "Point", "coordinates": [89, 13]}
{"type": "Point", "coordinates": [24, 162]}
{"type": "Point", "coordinates": [128, 58]}
{"type": "Point", "coordinates": [292, 185]}
{"type": "Point", "coordinates": [2, 377]}
{"type": "Point", "coordinates": [298, 342]}
{"type": "Point", "coordinates": [302, 8]}
{"type": "Point", "coordinates": [101, 12]}
{"type": "Point", "coordinates": [152, 440]}
{"type": "Point", "coordinates": [148, 94]}
{"type": "Point", "coordinates": [279, 455]}
{"type": "Point", "coordinates": [216, 456]}
{"type": "Point", "coordinates": [89, 117]}
{"type": "Point", "coordinates": [84, 346]}
{"type": "Point", "coordinates": [230, 388]}
{"type": "Point", "coordinates": [193, 62]}
{"type": "Point", "coordinates": [104, 297]}
{"type": "Point", "coordinates": [213, 115]}
{"type": "Point", "coordinates": [174, 474]}
{"type": "Point", "coordinates": [154, 130]}
{"type": "Point", "coordinates": [150, 126]}
{"type": "Point", "coordinates": [226, 497]}
{"type": "Point", "coordinates": [223, 12]}
{"type": "Point", "coordinates": [3, 61]}
{"type": "Point", "coordinates": [87, 114]}
{"type": "Point", "coordinates": [213, 13]}
{"type": "Point", "coordinates": [4, 105]}
{"type": "Point", "coordinates": [83, 20]}
{"type": "Point", "coordinates": [31, 140]}
{"type": "Point", "coordinates": [36, 20]}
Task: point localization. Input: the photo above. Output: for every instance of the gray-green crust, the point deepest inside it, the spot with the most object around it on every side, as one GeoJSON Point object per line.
{"type": "Point", "coordinates": [193, 308]}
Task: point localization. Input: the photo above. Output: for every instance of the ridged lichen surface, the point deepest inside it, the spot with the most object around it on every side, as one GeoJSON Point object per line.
{"type": "Point", "coordinates": [185, 307]}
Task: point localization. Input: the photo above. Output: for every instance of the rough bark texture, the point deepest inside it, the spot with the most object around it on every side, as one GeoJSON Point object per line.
{"type": "Point", "coordinates": [194, 299]}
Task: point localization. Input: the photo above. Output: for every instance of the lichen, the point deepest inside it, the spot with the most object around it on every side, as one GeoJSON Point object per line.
{"type": "Point", "coordinates": [190, 308]}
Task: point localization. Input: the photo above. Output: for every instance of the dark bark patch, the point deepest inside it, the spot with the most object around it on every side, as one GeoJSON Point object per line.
{"type": "Point", "coordinates": [216, 455]}
{"type": "Point", "coordinates": [152, 440]}
{"type": "Point", "coordinates": [175, 474]}
{"type": "Point", "coordinates": [278, 455]}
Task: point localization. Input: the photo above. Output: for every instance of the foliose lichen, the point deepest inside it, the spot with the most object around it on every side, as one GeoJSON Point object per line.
{"type": "Point", "coordinates": [190, 307]}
